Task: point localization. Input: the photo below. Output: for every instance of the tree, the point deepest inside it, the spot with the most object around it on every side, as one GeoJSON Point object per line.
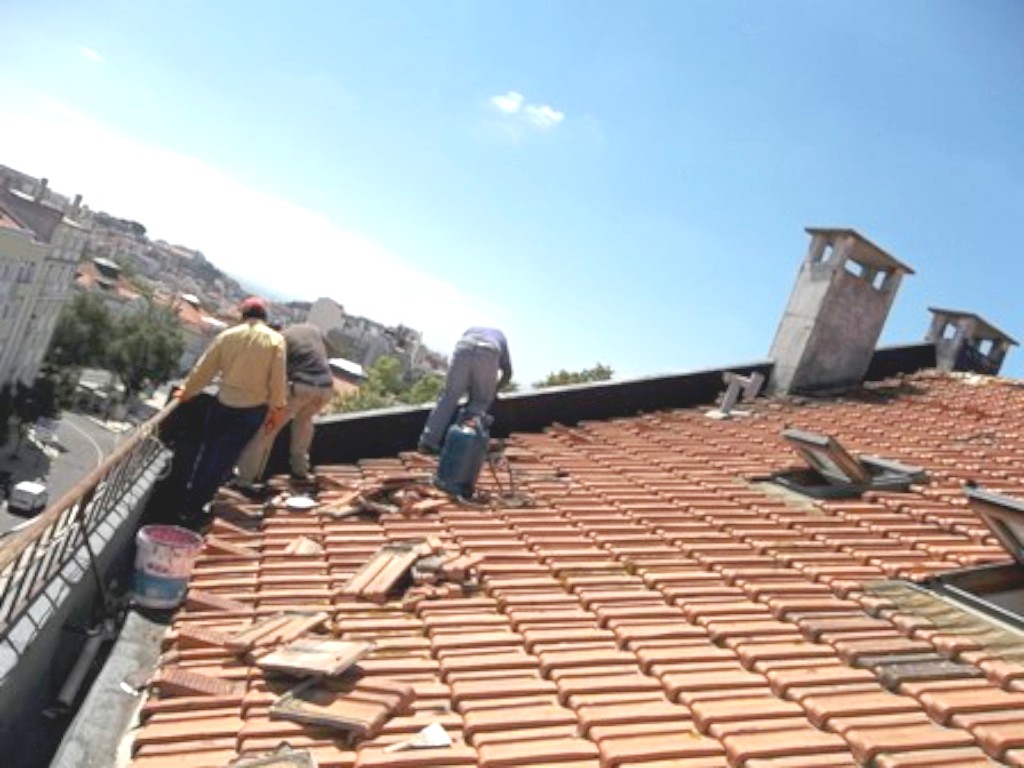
{"type": "Point", "coordinates": [386, 385]}
{"type": "Point", "coordinates": [82, 334]}
{"type": "Point", "coordinates": [599, 372]}
{"type": "Point", "coordinates": [426, 389]}
{"type": "Point", "coordinates": [146, 347]}
{"type": "Point", "coordinates": [385, 377]}
{"type": "Point", "coordinates": [46, 396]}
{"type": "Point", "coordinates": [6, 413]}
{"type": "Point", "coordinates": [25, 413]}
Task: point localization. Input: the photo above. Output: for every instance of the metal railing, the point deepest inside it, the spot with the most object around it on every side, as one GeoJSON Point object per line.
{"type": "Point", "coordinates": [33, 555]}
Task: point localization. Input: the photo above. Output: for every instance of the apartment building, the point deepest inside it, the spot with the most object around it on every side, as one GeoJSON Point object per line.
{"type": "Point", "coordinates": [365, 341]}
{"type": "Point", "coordinates": [39, 249]}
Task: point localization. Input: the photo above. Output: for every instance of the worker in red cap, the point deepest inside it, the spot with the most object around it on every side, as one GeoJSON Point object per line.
{"type": "Point", "coordinates": [250, 361]}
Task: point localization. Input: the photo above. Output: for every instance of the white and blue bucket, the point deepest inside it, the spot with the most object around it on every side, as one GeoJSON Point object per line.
{"type": "Point", "coordinates": [163, 562]}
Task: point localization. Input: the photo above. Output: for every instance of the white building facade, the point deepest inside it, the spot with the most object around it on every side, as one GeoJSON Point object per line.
{"type": "Point", "coordinates": [39, 252]}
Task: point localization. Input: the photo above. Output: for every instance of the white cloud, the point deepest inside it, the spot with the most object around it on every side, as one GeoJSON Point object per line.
{"type": "Point", "coordinates": [543, 116]}
{"type": "Point", "coordinates": [251, 234]}
{"type": "Point", "coordinates": [91, 54]}
{"type": "Point", "coordinates": [517, 111]}
{"type": "Point", "coordinates": [509, 103]}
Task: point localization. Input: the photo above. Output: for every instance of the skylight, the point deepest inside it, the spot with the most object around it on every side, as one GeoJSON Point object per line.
{"type": "Point", "coordinates": [1004, 516]}
{"type": "Point", "coordinates": [835, 473]}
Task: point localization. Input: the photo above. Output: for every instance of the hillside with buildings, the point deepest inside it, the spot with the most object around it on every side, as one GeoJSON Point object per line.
{"type": "Point", "coordinates": [52, 246]}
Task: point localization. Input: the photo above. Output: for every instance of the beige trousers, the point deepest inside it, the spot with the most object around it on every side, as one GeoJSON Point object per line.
{"type": "Point", "coordinates": [304, 403]}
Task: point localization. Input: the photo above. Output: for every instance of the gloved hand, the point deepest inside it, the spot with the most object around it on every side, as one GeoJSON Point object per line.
{"type": "Point", "coordinates": [275, 418]}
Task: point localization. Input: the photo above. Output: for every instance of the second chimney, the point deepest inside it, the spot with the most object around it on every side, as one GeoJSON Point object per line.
{"type": "Point", "coordinates": [966, 342]}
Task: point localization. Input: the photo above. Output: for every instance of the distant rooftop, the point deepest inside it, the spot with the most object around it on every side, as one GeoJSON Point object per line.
{"type": "Point", "coordinates": [347, 366]}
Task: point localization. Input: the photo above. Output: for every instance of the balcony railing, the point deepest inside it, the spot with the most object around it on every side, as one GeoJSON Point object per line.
{"type": "Point", "coordinates": [32, 556]}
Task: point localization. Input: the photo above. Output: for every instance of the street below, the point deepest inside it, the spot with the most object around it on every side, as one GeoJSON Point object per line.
{"type": "Point", "coordinates": [84, 442]}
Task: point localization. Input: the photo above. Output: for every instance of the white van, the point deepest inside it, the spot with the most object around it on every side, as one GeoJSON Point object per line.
{"type": "Point", "coordinates": [28, 498]}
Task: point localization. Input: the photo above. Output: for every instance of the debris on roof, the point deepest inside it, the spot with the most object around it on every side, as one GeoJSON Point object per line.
{"type": "Point", "coordinates": [314, 656]}
{"type": "Point", "coordinates": [375, 580]}
{"type": "Point", "coordinates": [355, 705]}
{"type": "Point", "coordinates": [275, 630]}
{"type": "Point", "coordinates": [285, 757]}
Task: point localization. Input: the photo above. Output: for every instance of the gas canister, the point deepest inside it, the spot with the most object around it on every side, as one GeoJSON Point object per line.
{"type": "Point", "coordinates": [463, 454]}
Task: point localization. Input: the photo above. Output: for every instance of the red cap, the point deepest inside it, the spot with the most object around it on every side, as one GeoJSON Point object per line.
{"type": "Point", "coordinates": [254, 307]}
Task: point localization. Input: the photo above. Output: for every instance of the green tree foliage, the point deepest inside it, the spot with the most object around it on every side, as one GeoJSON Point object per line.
{"type": "Point", "coordinates": [145, 347]}
{"type": "Point", "coordinates": [599, 372]}
{"type": "Point", "coordinates": [385, 377]}
{"type": "Point", "coordinates": [386, 386]}
{"type": "Point", "coordinates": [6, 413]}
{"type": "Point", "coordinates": [25, 413]}
{"type": "Point", "coordinates": [82, 334]}
{"type": "Point", "coordinates": [426, 389]}
{"type": "Point", "coordinates": [47, 396]}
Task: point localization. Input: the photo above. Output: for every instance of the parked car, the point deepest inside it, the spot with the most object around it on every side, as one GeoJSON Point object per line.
{"type": "Point", "coordinates": [28, 498]}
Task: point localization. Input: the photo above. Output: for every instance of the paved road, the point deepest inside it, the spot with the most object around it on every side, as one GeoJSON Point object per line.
{"type": "Point", "coordinates": [86, 442]}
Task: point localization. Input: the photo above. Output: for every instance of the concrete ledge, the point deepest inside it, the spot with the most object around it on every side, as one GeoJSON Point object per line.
{"type": "Point", "coordinates": [40, 650]}
{"type": "Point", "coordinates": [109, 712]}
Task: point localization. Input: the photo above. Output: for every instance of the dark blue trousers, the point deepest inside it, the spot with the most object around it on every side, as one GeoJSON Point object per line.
{"type": "Point", "coordinates": [227, 432]}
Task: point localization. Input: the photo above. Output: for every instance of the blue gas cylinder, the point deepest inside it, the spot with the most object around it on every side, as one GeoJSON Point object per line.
{"type": "Point", "coordinates": [463, 454]}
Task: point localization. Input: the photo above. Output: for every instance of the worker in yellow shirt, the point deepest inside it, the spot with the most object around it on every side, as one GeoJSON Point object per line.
{"type": "Point", "coordinates": [250, 361]}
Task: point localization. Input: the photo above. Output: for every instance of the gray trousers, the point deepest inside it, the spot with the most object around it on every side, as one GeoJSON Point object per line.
{"type": "Point", "coordinates": [473, 372]}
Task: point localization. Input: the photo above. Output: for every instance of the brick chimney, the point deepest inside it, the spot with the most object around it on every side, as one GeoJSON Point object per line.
{"type": "Point", "coordinates": [827, 336]}
{"type": "Point", "coordinates": [966, 342]}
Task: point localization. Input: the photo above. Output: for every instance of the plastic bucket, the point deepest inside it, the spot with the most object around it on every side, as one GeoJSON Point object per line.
{"type": "Point", "coordinates": [163, 561]}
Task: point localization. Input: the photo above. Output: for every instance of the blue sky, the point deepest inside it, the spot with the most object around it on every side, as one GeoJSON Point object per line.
{"type": "Point", "coordinates": [616, 182]}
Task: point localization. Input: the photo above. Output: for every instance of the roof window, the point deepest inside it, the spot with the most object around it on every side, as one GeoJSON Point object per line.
{"type": "Point", "coordinates": [1004, 516]}
{"type": "Point", "coordinates": [994, 588]}
{"type": "Point", "coordinates": [834, 473]}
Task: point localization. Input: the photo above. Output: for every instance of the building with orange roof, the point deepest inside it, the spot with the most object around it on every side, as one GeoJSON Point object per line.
{"type": "Point", "coordinates": [199, 326]}
{"type": "Point", "coordinates": [104, 278]}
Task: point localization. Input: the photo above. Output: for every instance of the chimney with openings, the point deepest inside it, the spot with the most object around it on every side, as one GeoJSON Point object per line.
{"type": "Point", "coordinates": [966, 342]}
{"type": "Point", "coordinates": [827, 336]}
